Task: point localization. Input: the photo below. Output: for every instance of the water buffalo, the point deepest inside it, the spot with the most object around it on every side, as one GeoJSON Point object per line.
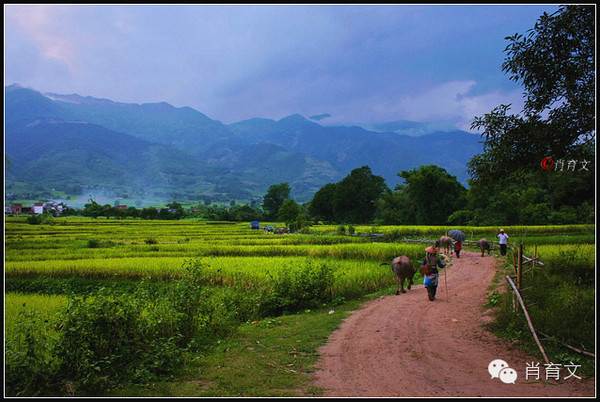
{"type": "Point", "coordinates": [446, 244]}
{"type": "Point", "coordinates": [403, 269]}
{"type": "Point", "coordinates": [484, 245]}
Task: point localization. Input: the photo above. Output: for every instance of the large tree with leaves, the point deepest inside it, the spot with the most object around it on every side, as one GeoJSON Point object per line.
{"type": "Point", "coordinates": [555, 63]}
{"type": "Point", "coordinates": [321, 206]}
{"type": "Point", "coordinates": [274, 199]}
{"type": "Point", "coordinates": [356, 196]}
{"type": "Point", "coordinates": [430, 195]}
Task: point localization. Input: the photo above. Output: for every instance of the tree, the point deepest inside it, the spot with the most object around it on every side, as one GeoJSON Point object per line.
{"type": "Point", "coordinates": [149, 213]}
{"type": "Point", "coordinates": [118, 213]}
{"type": "Point", "coordinates": [321, 206]}
{"type": "Point", "coordinates": [274, 198]}
{"type": "Point", "coordinates": [537, 197]}
{"type": "Point", "coordinates": [174, 205]}
{"type": "Point", "coordinates": [92, 209]}
{"type": "Point", "coordinates": [133, 212]}
{"type": "Point", "coordinates": [243, 213]}
{"type": "Point", "coordinates": [288, 212]}
{"type": "Point", "coordinates": [395, 209]}
{"type": "Point", "coordinates": [355, 197]}
{"type": "Point", "coordinates": [107, 210]}
{"type": "Point", "coordinates": [432, 194]}
{"type": "Point", "coordinates": [555, 63]}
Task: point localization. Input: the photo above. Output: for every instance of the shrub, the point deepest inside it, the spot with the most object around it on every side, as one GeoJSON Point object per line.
{"type": "Point", "coordinates": [31, 367]}
{"type": "Point", "coordinates": [37, 219]}
{"type": "Point", "coordinates": [299, 287]}
{"type": "Point", "coordinates": [114, 336]}
{"type": "Point", "coordinates": [93, 243]}
{"type": "Point", "coordinates": [109, 338]}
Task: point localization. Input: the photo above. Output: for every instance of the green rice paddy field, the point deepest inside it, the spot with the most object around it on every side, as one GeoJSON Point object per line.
{"type": "Point", "coordinates": [47, 265]}
{"type": "Point", "coordinates": [113, 250]}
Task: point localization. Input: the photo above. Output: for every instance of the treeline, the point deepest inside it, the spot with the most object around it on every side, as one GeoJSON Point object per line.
{"type": "Point", "coordinates": [172, 211]}
{"type": "Point", "coordinates": [428, 196]}
{"type": "Point", "coordinates": [431, 196]}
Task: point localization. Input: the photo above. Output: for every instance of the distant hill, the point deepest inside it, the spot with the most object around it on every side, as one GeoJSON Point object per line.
{"type": "Point", "coordinates": [387, 153]}
{"type": "Point", "coordinates": [155, 151]}
{"type": "Point", "coordinates": [50, 148]}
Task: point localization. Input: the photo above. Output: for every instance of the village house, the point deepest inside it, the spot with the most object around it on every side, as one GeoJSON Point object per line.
{"type": "Point", "coordinates": [17, 209]}
{"type": "Point", "coordinates": [37, 208]}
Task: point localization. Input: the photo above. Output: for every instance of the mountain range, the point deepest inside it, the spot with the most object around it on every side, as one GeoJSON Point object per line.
{"type": "Point", "coordinates": [155, 152]}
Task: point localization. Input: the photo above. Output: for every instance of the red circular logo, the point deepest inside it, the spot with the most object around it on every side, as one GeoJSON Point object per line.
{"type": "Point", "coordinates": [547, 163]}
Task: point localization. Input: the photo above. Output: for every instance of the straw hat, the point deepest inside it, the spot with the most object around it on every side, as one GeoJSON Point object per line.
{"type": "Point", "coordinates": [501, 230]}
{"type": "Point", "coordinates": [431, 249]}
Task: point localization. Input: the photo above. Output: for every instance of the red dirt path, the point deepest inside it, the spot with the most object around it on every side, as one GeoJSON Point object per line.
{"type": "Point", "coordinates": [401, 346]}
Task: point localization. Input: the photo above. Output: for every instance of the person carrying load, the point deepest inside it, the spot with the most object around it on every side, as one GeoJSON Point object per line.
{"type": "Point", "coordinates": [429, 270]}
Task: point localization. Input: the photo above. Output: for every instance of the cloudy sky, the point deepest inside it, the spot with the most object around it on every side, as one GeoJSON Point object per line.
{"type": "Point", "coordinates": [361, 64]}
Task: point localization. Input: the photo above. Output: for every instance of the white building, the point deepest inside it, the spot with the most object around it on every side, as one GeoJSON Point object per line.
{"type": "Point", "coordinates": [38, 208]}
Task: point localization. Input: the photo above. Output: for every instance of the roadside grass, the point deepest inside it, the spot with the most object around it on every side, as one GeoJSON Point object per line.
{"type": "Point", "coordinates": [273, 357]}
{"type": "Point", "coordinates": [559, 298]}
{"type": "Point", "coordinates": [513, 327]}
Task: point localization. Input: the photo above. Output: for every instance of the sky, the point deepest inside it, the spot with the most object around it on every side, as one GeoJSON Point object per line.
{"type": "Point", "coordinates": [360, 64]}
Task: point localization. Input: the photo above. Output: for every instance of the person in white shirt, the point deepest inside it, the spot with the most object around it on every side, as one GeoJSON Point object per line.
{"type": "Point", "coordinates": [503, 238]}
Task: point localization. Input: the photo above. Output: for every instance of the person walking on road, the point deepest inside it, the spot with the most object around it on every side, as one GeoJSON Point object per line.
{"type": "Point", "coordinates": [457, 248]}
{"type": "Point", "coordinates": [429, 269]}
{"type": "Point", "coordinates": [503, 239]}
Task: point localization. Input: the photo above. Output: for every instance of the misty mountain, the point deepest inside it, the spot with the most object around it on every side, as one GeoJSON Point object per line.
{"type": "Point", "coordinates": [70, 141]}
{"type": "Point", "coordinates": [387, 153]}
{"type": "Point", "coordinates": [160, 152]}
{"type": "Point", "coordinates": [73, 156]}
{"type": "Point", "coordinates": [182, 128]}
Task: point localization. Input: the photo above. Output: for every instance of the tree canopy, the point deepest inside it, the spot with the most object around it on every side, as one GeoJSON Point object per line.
{"type": "Point", "coordinates": [555, 63]}
{"type": "Point", "coordinates": [321, 206]}
{"type": "Point", "coordinates": [353, 199]}
{"type": "Point", "coordinates": [356, 195]}
{"type": "Point", "coordinates": [274, 199]}
{"type": "Point", "coordinates": [429, 196]}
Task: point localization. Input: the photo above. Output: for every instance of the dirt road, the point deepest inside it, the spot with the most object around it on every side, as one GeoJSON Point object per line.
{"type": "Point", "coordinates": [406, 345]}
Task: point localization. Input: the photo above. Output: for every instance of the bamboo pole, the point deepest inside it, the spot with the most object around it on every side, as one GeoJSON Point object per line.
{"type": "Point", "coordinates": [528, 319]}
{"type": "Point", "coordinates": [569, 346]}
{"type": "Point", "coordinates": [446, 286]}
{"type": "Point", "coordinates": [520, 268]}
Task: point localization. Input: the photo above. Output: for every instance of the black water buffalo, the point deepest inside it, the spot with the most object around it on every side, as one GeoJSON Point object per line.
{"type": "Point", "coordinates": [484, 245]}
{"type": "Point", "coordinates": [403, 269]}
